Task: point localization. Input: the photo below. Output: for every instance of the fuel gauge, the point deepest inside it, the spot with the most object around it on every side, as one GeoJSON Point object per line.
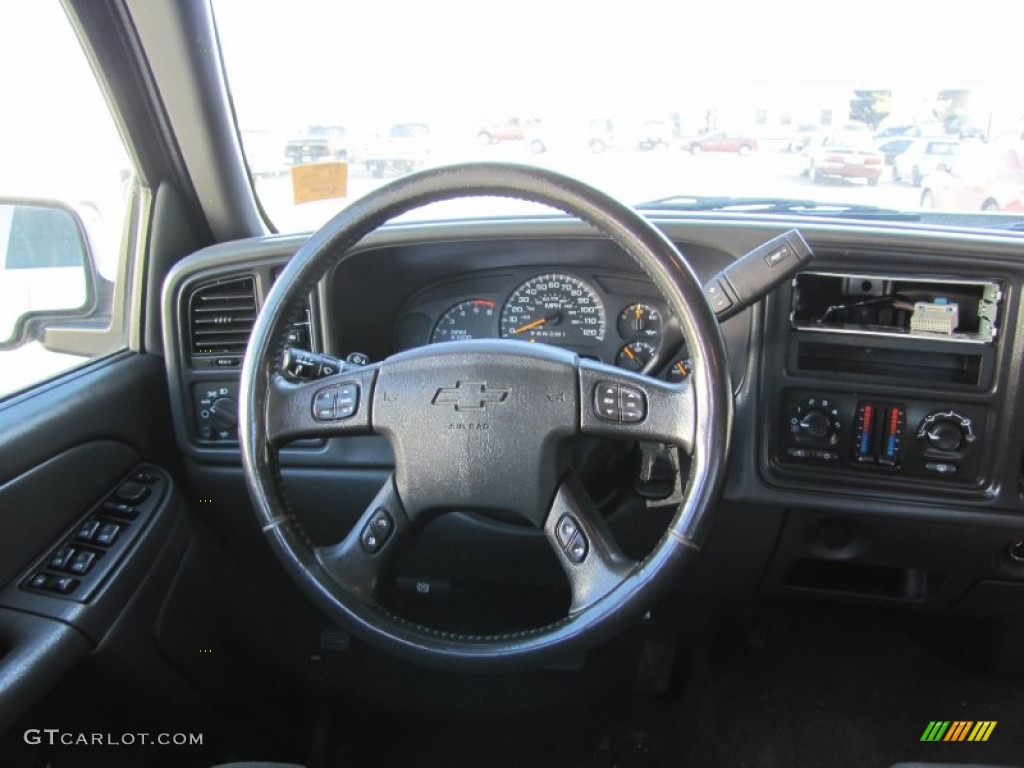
{"type": "Point", "coordinates": [635, 356]}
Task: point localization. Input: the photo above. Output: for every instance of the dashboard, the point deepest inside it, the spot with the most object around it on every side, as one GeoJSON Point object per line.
{"type": "Point", "coordinates": [874, 457]}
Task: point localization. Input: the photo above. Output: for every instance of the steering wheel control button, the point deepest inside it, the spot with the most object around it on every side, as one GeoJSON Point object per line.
{"type": "Point", "coordinates": [377, 532]}
{"type": "Point", "coordinates": [632, 405]}
{"type": "Point", "coordinates": [578, 548]}
{"type": "Point", "coordinates": [323, 404]}
{"type": "Point", "coordinates": [606, 401]}
{"type": "Point", "coordinates": [566, 530]}
{"type": "Point", "coordinates": [347, 401]}
{"type": "Point", "coordinates": [382, 523]}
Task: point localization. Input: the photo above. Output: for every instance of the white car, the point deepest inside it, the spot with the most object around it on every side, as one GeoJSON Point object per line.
{"type": "Point", "coordinates": [924, 157]}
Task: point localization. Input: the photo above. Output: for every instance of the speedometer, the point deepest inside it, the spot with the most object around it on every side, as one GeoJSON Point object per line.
{"type": "Point", "coordinates": [555, 309]}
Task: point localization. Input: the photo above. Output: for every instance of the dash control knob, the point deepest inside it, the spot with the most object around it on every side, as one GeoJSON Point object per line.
{"type": "Point", "coordinates": [815, 421]}
{"type": "Point", "coordinates": [224, 413]}
{"type": "Point", "coordinates": [816, 424]}
{"type": "Point", "coordinates": [946, 431]}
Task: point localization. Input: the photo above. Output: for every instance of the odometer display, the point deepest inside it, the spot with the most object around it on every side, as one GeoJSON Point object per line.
{"type": "Point", "coordinates": [555, 309]}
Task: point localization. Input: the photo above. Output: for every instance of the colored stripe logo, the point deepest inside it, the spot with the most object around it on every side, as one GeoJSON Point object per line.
{"type": "Point", "coordinates": [958, 730]}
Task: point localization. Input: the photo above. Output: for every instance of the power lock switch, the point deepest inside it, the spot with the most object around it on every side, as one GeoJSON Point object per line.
{"type": "Point", "coordinates": [756, 274]}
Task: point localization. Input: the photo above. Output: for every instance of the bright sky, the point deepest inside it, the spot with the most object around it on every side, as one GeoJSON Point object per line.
{"type": "Point", "coordinates": [405, 59]}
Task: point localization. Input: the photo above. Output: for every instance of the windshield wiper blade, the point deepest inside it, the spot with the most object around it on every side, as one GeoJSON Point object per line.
{"type": "Point", "coordinates": [776, 205]}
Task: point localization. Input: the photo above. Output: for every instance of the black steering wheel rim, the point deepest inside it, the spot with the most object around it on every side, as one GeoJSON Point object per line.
{"type": "Point", "coordinates": [711, 418]}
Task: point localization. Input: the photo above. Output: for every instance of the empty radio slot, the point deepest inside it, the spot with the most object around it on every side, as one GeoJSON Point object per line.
{"type": "Point", "coordinates": [952, 310]}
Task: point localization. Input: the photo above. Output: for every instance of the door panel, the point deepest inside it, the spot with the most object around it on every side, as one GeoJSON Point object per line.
{"type": "Point", "coordinates": [65, 446]}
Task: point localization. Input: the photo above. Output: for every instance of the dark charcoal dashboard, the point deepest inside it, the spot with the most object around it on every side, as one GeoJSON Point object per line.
{"type": "Point", "coordinates": [876, 449]}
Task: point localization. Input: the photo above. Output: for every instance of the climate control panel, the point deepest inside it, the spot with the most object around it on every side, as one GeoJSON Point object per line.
{"type": "Point", "coordinates": [858, 433]}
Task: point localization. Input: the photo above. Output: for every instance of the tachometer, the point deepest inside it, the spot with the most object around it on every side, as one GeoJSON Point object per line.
{"type": "Point", "coordinates": [555, 309]}
{"type": "Point", "coordinates": [472, 319]}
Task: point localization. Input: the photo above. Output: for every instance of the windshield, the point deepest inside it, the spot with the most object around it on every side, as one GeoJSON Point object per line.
{"type": "Point", "coordinates": [650, 101]}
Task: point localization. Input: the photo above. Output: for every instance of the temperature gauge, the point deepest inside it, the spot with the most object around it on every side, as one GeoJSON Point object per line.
{"type": "Point", "coordinates": [640, 321]}
{"type": "Point", "coordinates": [635, 356]}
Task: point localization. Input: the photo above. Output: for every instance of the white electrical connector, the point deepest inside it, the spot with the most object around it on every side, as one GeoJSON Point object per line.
{"type": "Point", "coordinates": [939, 316]}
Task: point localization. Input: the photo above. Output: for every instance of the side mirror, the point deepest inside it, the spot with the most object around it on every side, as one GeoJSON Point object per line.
{"type": "Point", "coordinates": [944, 166]}
{"type": "Point", "coordinates": [46, 269]}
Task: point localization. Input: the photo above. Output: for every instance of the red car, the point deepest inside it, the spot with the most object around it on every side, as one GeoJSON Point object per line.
{"type": "Point", "coordinates": [988, 179]}
{"type": "Point", "coordinates": [844, 155]}
{"type": "Point", "coordinates": [721, 141]}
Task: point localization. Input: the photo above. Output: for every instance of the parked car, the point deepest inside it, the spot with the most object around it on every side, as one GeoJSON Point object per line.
{"type": "Point", "coordinates": [898, 131]}
{"type": "Point", "coordinates": [722, 141]}
{"type": "Point", "coordinates": [307, 149]}
{"type": "Point", "coordinates": [923, 157]}
{"type": "Point", "coordinates": [893, 148]}
{"type": "Point", "coordinates": [982, 178]}
{"type": "Point", "coordinates": [402, 148]}
{"type": "Point", "coordinates": [844, 155]}
{"type": "Point", "coordinates": [513, 129]}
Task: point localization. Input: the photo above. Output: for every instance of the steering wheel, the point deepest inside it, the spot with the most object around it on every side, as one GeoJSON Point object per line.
{"type": "Point", "coordinates": [486, 425]}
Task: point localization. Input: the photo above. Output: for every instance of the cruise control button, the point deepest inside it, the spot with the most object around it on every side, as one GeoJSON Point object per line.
{"type": "Point", "coordinates": [566, 529]}
{"type": "Point", "coordinates": [347, 402]}
{"type": "Point", "coordinates": [371, 540]}
{"type": "Point", "coordinates": [632, 405]}
{"type": "Point", "coordinates": [323, 404]}
{"type": "Point", "coordinates": [578, 548]}
{"type": "Point", "coordinates": [606, 401]}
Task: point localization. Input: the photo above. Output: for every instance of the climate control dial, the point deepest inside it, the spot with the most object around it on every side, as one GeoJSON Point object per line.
{"type": "Point", "coordinates": [815, 420]}
{"type": "Point", "coordinates": [947, 431]}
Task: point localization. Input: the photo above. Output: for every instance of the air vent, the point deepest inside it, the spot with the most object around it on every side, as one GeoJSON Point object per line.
{"type": "Point", "coordinates": [221, 316]}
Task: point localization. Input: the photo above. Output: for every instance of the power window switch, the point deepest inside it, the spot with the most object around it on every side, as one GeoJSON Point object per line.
{"type": "Point", "coordinates": [82, 562]}
{"type": "Point", "coordinates": [88, 530]}
{"type": "Point", "coordinates": [62, 558]}
{"type": "Point", "coordinates": [63, 585]}
{"type": "Point", "coordinates": [107, 534]}
{"type": "Point", "coordinates": [39, 581]}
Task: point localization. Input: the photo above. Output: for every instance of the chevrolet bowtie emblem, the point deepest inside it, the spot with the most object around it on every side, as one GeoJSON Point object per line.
{"type": "Point", "coordinates": [469, 396]}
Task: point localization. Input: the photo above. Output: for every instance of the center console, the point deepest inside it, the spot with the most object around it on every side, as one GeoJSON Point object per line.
{"type": "Point", "coordinates": [885, 381]}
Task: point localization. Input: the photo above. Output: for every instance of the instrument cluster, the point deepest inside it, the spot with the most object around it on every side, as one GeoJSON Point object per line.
{"type": "Point", "coordinates": [613, 318]}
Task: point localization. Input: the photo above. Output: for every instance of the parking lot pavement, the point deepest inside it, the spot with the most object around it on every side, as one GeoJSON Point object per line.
{"type": "Point", "coordinates": [634, 176]}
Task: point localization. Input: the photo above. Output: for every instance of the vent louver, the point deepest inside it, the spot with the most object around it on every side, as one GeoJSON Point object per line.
{"type": "Point", "coordinates": [221, 316]}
